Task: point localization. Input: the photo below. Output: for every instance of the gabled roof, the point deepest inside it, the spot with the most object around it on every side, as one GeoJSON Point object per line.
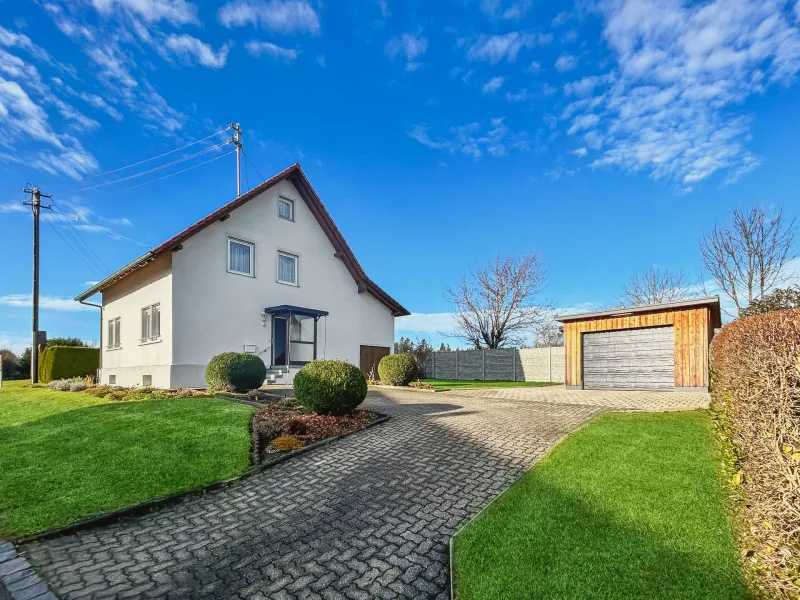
{"type": "Point", "coordinates": [295, 175]}
{"type": "Point", "coordinates": [712, 302]}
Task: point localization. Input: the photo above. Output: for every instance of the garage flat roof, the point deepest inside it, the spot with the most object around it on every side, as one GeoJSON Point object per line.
{"type": "Point", "coordinates": [710, 301]}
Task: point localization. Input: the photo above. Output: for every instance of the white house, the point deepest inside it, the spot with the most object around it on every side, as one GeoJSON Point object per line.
{"type": "Point", "coordinates": [268, 273]}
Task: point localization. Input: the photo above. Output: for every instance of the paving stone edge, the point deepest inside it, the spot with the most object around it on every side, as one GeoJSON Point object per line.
{"type": "Point", "coordinates": [18, 579]}
{"type": "Point", "coordinates": [157, 503]}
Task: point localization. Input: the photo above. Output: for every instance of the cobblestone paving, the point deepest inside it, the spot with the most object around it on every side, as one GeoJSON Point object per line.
{"type": "Point", "coordinates": [369, 516]}
{"type": "Point", "coordinates": [613, 400]}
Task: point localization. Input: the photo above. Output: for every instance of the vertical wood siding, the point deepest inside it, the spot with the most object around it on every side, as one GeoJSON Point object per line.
{"type": "Point", "coordinates": [693, 333]}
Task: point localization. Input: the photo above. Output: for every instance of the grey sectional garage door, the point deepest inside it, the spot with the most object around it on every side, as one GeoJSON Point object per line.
{"type": "Point", "coordinates": [629, 359]}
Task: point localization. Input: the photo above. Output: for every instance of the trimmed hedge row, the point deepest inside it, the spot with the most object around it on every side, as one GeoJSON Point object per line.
{"type": "Point", "coordinates": [397, 369]}
{"type": "Point", "coordinates": [65, 362]}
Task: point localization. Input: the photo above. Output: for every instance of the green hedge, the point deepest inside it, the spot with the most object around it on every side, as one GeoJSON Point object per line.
{"type": "Point", "coordinates": [63, 362]}
{"type": "Point", "coordinates": [236, 372]}
{"type": "Point", "coordinates": [330, 387]}
{"type": "Point", "coordinates": [397, 369]}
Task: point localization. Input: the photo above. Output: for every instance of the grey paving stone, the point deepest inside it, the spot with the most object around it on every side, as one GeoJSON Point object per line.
{"type": "Point", "coordinates": [369, 516]}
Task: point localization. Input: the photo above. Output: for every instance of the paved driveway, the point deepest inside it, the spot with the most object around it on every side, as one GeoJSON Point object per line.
{"type": "Point", "coordinates": [369, 516]}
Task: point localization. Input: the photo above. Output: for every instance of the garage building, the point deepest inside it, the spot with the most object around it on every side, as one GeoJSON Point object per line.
{"type": "Point", "coordinates": [652, 347]}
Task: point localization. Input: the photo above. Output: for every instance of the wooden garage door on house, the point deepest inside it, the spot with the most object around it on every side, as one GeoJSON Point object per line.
{"type": "Point", "coordinates": [370, 357]}
{"type": "Point", "coordinates": [629, 359]}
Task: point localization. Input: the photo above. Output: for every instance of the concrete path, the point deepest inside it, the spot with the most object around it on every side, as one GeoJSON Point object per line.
{"type": "Point", "coordinates": [369, 516]}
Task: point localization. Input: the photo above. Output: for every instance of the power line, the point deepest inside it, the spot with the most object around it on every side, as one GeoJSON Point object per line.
{"type": "Point", "coordinates": [205, 162]}
{"type": "Point", "coordinates": [77, 239]}
{"type": "Point", "coordinates": [247, 158]}
{"type": "Point", "coordinates": [74, 250]}
{"type": "Point", "coordinates": [155, 157]}
{"type": "Point", "coordinates": [158, 168]}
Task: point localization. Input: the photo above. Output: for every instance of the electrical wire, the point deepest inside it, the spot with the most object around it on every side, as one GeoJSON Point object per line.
{"type": "Point", "coordinates": [247, 158]}
{"type": "Point", "coordinates": [77, 238]}
{"type": "Point", "coordinates": [246, 176]}
{"type": "Point", "coordinates": [205, 162]}
{"type": "Point", "coordinates": [80, 256]}
{"type": "Point", "coordinates": [154, 157]}
{"type": "Point", "coordinates": [158, 168]}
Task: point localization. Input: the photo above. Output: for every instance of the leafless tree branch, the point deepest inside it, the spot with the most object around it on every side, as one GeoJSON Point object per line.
{"type": "Point", "coordinates": [497, 305]}
{"type": "Point", "coordinates": [655, 286]}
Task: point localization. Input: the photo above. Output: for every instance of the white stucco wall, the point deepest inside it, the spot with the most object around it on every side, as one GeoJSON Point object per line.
{"type": "Point", "coordinates": [217, 311]}
{"type": "Point", "coordinates": [125, 299]}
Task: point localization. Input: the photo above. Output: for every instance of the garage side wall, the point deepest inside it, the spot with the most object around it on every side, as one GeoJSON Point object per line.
{"type": "Point", "coordinates": [693, 333]}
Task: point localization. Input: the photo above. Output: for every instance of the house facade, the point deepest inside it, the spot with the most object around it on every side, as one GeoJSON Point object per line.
{"type": "Point", "coordinates": [268, 273]}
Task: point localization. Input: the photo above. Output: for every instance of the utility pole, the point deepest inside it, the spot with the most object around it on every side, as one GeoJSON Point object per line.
{"type": "Point", "coordinates": [36, 204]}
{"type": "Point", "coordinates": [237, 141]}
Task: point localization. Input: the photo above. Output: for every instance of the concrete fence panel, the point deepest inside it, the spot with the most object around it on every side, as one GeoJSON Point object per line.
{"type": "Point", "coordinates": [502, 364]}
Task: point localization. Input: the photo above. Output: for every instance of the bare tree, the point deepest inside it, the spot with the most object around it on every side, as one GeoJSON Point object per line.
{"type": "Point", "coordinates": [746, 258]}
{"type": "Point", "coordinates": [549, 333]}
{"type": "Point", "coordinates": [655, 286]}
{"type": "Point", "coordinates": [496, 306]}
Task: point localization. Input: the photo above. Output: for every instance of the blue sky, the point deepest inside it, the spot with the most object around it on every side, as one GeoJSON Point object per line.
{"type": "Point", "coordinates": [603, 136]}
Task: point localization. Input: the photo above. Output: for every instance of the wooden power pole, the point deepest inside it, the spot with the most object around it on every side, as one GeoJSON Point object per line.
{"type": "Point", "coordinates": [36, 205]}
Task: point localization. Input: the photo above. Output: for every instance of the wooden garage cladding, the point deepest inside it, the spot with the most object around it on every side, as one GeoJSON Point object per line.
{"type": "Point", "coordinates": [693, 323]}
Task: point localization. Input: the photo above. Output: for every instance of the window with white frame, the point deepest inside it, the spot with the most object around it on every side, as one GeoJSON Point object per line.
{"type": "Point", "coordinates": [151, 322]}
{"type": "Point", "coordinates": [286, 208]}
{"type": "Point", "coordinates": [240, 256]}
{"type": "Point", "coordinates": [113, 333]}
{"type": "Point", "coordinates": [287, 268]}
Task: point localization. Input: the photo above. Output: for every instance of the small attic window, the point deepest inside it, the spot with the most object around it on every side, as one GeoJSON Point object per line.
{"type": "Point", "coordinates": [286, 208]}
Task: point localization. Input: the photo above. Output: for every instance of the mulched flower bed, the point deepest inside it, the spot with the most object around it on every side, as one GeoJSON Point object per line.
{"type": "Point", "coordinates": [285, 426]}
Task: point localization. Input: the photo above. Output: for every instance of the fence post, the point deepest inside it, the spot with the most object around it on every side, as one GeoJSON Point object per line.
{"type": "Point", "coordinates": [550, 364]}
{"type": "Point", "coordinates": [457, 376]}
{"type": "Point", "coordinates": [514, 362]}
{"type": "Point", "coordinates": [483, 363]}
{"type": "Point", "coordinates": [434, 365]}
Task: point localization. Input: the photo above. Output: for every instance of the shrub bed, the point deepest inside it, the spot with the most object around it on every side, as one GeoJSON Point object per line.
{"type": "Point", "coordinates": [289, 419]}
{"type": "Point", "coordinates": [756, 396]}
{"type": "Point", "coordinates": [236, 372]}
{"type": "Point", "coordinates": [330, 387]}
{"type": "Point", "coordinates": [397, 369]}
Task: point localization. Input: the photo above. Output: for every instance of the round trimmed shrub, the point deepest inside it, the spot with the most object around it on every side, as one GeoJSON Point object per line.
{"type": "Point", "coordinates": [397, 369]}
{"type": "Point", "coordinates": [236, 372]}
{"type": "Point", "coordinates": [330, 387]}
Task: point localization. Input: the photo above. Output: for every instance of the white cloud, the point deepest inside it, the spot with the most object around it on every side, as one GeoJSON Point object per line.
{"type": "Point", "coordinates": [111, 64]}
{"type": "Point", "coordinates": [582, 123]}
{"type": "Point", "coordinates": [580, 152]}
{"type": "Point", "coordinates": [177, 12]}
{"type": "Point", "coordinates": [429, 323]}
{"type": "Point", "coordinates": [409, 47]}
{"type": "Point", "coordinates": [510, 11]}
{"type": "Point", "coordinates": [261, 48]}
{"type": "Point", "coordinates": [45, 302]}
{"type": "Point", "coordinates": [494, 84]}
{"type": "Point", "coordinates": [191, 50]}
{"type": "Point", "coordinates": [281, 16]}
{"type": "Point", "coordinates": [495, 48]}
{"type": "Point", "coordinates": [566, 62]}
{"type": "Point", "coordinates": [560, 19]}
{"type": "Point", "coordinates": [682, 72]}
{"type": "Point", "coordinates": [586, 86]}
{"type": "Point", "coordinates": [474, 139]}
{"type": "Point", "coordinates": [14, 207]}
{"type": "Point", "coordinates": [519, 96]}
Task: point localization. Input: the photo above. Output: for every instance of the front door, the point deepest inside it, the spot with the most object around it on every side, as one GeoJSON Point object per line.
{"type": "Point", "coordinates": [280, 341]}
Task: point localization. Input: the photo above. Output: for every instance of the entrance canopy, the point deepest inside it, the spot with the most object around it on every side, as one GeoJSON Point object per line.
{"type": "Point", "coordinates": [284, 310]}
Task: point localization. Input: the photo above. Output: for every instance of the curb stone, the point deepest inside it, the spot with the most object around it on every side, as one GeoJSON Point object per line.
{"type": "Point", "coordinates": [157, 503]}
{"type": "Point", "coordinates": [18, 580]}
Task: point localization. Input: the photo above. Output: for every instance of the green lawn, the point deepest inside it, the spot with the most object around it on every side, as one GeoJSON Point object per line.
{"type": "Point", "coordinates": [65, 456]}
{"type": "Point", "coordinates": [632, 506]}
{"type": "Point", "coordinates": [455, 384]}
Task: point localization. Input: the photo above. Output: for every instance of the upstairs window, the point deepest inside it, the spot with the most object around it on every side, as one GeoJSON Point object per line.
{"type": "Point", "coordinates": [287, 268]}
{"type": "Point", "coordinates": [151, 322]}
{"type": "Point", "coordinates": [286, 208]}
{"type": "Point", "coordinates": [240, 256]}
{"type": "Point", "coordinates": [113, 333]}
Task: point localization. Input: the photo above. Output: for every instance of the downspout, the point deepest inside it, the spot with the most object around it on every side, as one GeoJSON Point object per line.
{"type": "Point", "coordinates": [100, 306]}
